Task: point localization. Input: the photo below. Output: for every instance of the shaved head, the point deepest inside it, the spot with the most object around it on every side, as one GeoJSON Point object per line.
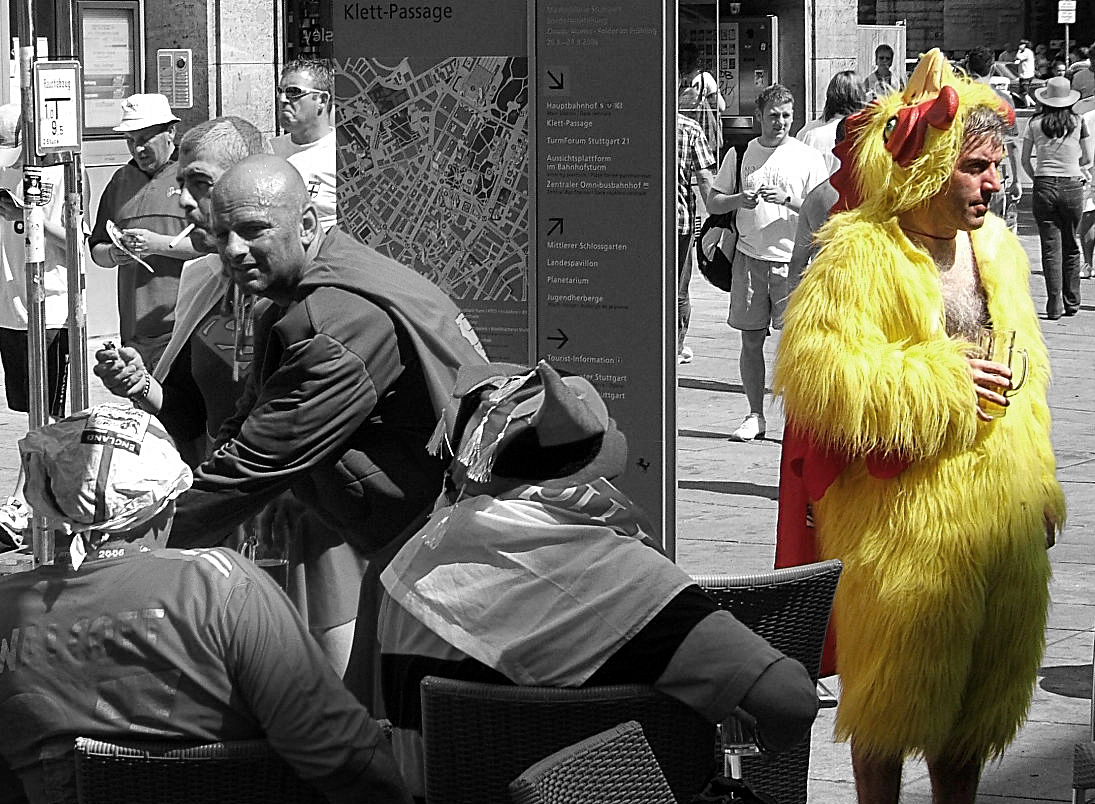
{"type": "Point", "coordinates": [266, 180]}
{"type": "Point", "coordinates": [264, 221]}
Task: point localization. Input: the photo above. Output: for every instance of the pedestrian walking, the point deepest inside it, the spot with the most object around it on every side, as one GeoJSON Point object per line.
{"type": "Point", "coordinates": [1057, 139]}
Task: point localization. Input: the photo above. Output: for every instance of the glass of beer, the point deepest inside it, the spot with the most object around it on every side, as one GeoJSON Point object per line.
{"type": "Point", "coordinates": [998, 345]}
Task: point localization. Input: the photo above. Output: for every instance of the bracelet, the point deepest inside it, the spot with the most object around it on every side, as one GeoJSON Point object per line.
{"type": "Point", "coordinates": [142, 395]}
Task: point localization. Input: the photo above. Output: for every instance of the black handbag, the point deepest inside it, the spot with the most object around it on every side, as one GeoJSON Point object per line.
{"type": "Point", "coordinates": [715, 247]}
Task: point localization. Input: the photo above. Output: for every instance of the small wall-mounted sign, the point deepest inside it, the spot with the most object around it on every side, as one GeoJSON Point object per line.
{"type": "Point", "coordinates": [58, 95]}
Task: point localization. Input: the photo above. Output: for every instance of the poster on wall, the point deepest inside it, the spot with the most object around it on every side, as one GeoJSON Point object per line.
{"type": "Point", "coordinates": [433, 128]}
{"type": "Point", "coordinates": [728, 67]}
{"type": "Point", "coordinates": [109, 52]}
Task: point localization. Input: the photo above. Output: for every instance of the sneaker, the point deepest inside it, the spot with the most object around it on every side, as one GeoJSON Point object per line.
{"type": "Point", "coordinates": [750, 429]}
{"type": "Point", "coordinates": [685, 355]}
{"type": "Point", "coordinates": [1086, 271]}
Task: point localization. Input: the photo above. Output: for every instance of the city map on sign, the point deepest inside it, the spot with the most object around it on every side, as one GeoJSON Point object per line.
{"type": "Point", "coordinates": [433, 168]}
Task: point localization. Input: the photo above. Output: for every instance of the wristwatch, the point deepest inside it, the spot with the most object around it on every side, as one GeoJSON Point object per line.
{"type": "Point", "coordinates": [787, 202]}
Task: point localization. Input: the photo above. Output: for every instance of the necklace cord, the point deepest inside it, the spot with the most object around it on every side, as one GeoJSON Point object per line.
{"type": "Point", "coordinates": [925, 234]}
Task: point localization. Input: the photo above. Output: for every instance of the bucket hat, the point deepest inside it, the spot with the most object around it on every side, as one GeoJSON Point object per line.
{"type": "Point", "coordinates": [142, 111]}
{"type": "Point", "coordinates": [510, 422]}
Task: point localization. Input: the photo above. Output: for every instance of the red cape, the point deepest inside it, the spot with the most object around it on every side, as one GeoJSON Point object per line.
{"type": "Point", "coordinates": [806, 470]}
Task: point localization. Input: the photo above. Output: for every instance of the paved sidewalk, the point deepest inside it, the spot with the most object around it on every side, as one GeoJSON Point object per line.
{"type": "Point", "coordinates": [726, 518]}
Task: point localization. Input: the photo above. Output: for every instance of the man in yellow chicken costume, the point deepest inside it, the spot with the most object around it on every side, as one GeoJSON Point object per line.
{"type": "Point", "coordinates": [941, 514]}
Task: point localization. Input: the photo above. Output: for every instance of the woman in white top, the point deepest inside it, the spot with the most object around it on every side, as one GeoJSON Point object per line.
{"type": "Point", "coordinates": [1057, 136]}
{"type": "Point", "coordinates": [845, 95]}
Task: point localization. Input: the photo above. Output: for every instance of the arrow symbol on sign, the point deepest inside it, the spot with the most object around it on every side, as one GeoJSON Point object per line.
{"type": "Point", "coordinates": [555, 81]}
{"type": "Point", "coordinates": [556, 226]}
{"type": "Point", "coordinates": [561, 337]}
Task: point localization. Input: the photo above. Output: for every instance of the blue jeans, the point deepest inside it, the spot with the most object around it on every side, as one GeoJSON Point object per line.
{"type": "Point", "coordinates": [1058, 208]}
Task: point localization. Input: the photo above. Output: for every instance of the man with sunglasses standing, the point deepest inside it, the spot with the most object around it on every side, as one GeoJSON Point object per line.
{"type": "Point", "coordinates": [142, 201]}
{"type": "Point", "coordinates": [305, 97]}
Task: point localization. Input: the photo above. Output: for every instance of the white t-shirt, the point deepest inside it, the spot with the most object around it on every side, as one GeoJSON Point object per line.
{"type": "Point", "coordinates": [13, 283]}
{"type": "Point", "coordinates": [316, 164]}
{"type": "Point", "coordinates": [768, 231]}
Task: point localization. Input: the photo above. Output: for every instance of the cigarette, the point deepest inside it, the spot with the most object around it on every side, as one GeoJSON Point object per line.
{"type": "Point", "coordinates": [178, 238]}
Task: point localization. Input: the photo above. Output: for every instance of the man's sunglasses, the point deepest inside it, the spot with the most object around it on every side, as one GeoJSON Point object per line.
{"type": "Point", "coordinates": [293, 94]}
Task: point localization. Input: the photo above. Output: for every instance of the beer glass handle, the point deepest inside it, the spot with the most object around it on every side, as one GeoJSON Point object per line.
{"type": "Point", "coordinates": [1026, 365]}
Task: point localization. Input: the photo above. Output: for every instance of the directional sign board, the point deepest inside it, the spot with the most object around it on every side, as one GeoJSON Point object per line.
{"type": "Point", "coordinates": [1066, 12]}
{"type": "Point", "coordinates": [58, 100]}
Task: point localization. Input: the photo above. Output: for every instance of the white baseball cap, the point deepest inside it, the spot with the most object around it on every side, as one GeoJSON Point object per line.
{"type": "Point", "coordinates": [142, 111]}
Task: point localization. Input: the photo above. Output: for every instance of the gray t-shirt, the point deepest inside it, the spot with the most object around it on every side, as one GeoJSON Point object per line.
{"type": "Point", "coordinates": [1056, 157]}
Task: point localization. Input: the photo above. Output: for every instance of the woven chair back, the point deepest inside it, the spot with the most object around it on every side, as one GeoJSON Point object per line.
{"type": "Point", "coordinates": [790, 608]}
{"type": "Point", "coordinates": [615, 766]}
{"type": "Point", "coordinates": [244, 772]}
{"type": "Point", "coordinates": [480, 737]}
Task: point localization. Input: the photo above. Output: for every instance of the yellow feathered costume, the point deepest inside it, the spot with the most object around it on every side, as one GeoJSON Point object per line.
{"type": "Point", "coordinates": [941, 610]}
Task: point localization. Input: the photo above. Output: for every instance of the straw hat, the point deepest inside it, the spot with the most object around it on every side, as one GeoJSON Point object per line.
{"type": "Point", "coordinates": [143, 111]}
{"type": "Point", "coordinates": [1057, 93]}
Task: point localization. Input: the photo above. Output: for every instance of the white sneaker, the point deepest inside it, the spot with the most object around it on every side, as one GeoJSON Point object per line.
{"type": "Point", "coordinates": [750, 429]}
{"type": "Point", "coordinates": [685, 355]}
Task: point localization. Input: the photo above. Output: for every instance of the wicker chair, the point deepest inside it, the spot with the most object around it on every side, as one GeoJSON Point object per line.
{"type": "Point", "coordinates": [1083, 754]}
{"type": "Point", "coordinates": [479, 737]}
{"type": "Point", "coordinates": [790, 608]}
{"type": "Point", "coordinates": [243, 772]}
{"type": "Point", "coordinates": [613, 767]}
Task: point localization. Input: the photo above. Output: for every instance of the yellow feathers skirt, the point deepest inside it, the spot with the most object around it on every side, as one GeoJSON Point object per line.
{"type": "Point", "coordinates": [939, 616]}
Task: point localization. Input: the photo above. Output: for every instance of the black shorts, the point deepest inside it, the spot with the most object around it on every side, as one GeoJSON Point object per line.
{"type": "Point", "coordinates": [13, 354]}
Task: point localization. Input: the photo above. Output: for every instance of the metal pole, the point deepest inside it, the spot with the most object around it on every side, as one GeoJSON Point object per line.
{"type": "Point", "coordinates": [77, 283]}
{"type": "Point", "coordinates": [1068, 49]}
{"type": "Point", "coordinates": [34, 231]}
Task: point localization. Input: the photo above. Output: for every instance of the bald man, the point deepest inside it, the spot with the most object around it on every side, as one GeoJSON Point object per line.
{"type": "Point", "coordinates": [201, 376]}
{"type": "Point", "coordinates": [354, 361]}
